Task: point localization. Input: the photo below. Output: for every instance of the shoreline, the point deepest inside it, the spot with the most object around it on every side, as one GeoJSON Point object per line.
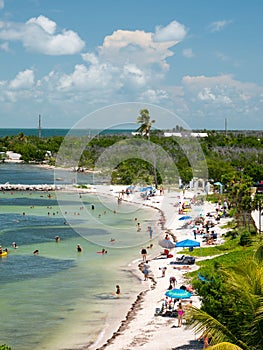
{"type": "Point", "coordinates": [136, 306]}
{"type": "Point", "coordinates": [112, 339]}
{"type": "Point", "coordinates": [140, 318]}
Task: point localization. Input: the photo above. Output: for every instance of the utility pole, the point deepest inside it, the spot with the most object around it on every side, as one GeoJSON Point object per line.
{"type": "Point", "coordinates": [39, 126]}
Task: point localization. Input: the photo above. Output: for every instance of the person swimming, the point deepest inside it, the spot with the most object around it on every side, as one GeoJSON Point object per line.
{"type": "Point", "coordinates": [79, 248]}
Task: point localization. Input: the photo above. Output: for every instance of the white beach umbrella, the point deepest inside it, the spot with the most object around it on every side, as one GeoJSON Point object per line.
{"type": "Point", "coordinates": [167, 243]}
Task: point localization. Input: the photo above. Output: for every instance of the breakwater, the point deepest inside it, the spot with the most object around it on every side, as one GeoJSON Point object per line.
{"type": "Point", "coordinates": [27, 187]}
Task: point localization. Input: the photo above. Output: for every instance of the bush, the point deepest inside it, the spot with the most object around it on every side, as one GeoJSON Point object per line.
{"type": "Point", "coordinates": [4, 347]}
{"type": "Point", "coordinates": [245, 239]}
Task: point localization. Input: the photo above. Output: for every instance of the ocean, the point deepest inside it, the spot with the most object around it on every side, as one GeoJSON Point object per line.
{"type": "Point", "coordinates": [62, 132]}
{"type": "Point", "coordinates": [62, 299]}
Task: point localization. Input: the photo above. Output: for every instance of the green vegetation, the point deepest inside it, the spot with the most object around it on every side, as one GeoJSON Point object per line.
{"type": "Point", "coordinates": [231, 290]}
{"type": "Point", "coordinates": [4, 347]}
{"type": "Point", "coordinates": [230, 158]}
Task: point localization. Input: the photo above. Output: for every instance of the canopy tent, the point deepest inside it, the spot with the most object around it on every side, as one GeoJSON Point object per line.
{"type": "Point", "coordinates": [187, 243]}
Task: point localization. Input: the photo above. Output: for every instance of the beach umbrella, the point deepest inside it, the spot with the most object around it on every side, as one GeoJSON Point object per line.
{"type": "Point", "coordinates": [187, 243]}
{"type": "Point", "coordinates": [178, 294]}
{"type": "Point", "coordinates": [185, 217]}
{"type": "Point", "coordinates": [166, 243]}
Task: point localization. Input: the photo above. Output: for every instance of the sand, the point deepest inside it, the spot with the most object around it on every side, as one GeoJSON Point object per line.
{"type": "Point", "coordinates": [140, 328]}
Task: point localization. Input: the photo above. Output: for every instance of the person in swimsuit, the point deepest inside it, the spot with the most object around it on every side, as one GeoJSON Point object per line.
{"type": "Point", "coordinates": [118, 291]}
{"type": "Point", "coordinates": [180, 311]}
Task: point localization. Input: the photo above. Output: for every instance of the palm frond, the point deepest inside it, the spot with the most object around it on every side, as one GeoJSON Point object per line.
{"type": "Point", "coordinates": [203, 323]}
{"type": "Point", "coordinates": [224, 346]}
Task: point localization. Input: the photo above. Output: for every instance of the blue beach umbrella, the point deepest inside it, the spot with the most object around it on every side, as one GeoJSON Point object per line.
{"type": "Point", "coordinates": [178, 294]}
{"type": "Point", "coordinates": [148, 188]}
{"type": "Point", "coordinates": [185, 217]}
{"type": "Point", "coordinates": [187, 243]}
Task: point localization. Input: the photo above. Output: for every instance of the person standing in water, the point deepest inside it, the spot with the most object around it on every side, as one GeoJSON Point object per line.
{"type": "Point", "coordinates": [79, 248]}
{"type": "Point", "coordinates": [118, 291]}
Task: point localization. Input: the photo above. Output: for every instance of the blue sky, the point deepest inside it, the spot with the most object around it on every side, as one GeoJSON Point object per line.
{"type": "Point", "coordinates": [198, 59]}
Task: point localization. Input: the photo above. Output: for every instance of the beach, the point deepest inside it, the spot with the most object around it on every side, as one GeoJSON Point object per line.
{"type": "Point", "coordinates": [135, 324]}
{"type": "Point", "coordinates": [140, 328]}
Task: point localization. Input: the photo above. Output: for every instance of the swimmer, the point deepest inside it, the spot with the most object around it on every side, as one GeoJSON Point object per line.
{"type": "Point", "coordinates": [57, 239]}
{"type": "Point", "coordinates": [79, 248]}
{"type": "Point", "coordinates": [112, 240]}
{"type": "Point", "coordinates": [36, 252]}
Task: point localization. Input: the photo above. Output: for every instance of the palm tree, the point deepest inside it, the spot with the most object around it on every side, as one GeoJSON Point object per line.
{"type": "Point", "coordinates": [245, 282]}
{"type": "Point", "coordinates": [146, 123]}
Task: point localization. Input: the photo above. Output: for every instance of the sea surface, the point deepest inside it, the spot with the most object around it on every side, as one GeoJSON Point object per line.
{"type": "Point", "coordinates": [62, 132]}
{"type": "Point", "coordinates": [62, 299]}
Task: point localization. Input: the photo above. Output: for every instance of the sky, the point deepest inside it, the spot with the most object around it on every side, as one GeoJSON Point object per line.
{"type": "Point", "coordinates": [199, 60]}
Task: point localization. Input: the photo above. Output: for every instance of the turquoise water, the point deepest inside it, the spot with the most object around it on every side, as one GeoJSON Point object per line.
{"type": "Point", "coordinates": [63, 132]}
{"type": "Point", "coordinates": [61, 299]}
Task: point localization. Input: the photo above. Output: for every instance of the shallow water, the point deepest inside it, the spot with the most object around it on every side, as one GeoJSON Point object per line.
{"type": "Point", "coordinates": [60, 298]}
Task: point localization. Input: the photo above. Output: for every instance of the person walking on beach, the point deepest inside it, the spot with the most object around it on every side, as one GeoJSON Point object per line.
{"type": "Point", "coordinates": [173, 281]}
{"type": "Point", "coordinates": [146, 270]}
{"type": "Point", "coordinates": [180, 312]}
{"type": "Point", "coordinates": [144, 254]}
{"type": "Point", "coordinates": [163, 271]}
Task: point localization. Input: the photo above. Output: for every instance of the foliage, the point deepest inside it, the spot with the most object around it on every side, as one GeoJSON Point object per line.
{"type": "Point", "coordinates": [134, 171]}
{"type": "Point", "coordinates": [232, 299]}
{"type": "Point", "coordinates": [4, 347]}
{"type": "Point", "coordinates": [245, 239]}
{"type": "Point", "coordinates": [232, 157]}
{"type": "Point", "coordinates": [146, 123]}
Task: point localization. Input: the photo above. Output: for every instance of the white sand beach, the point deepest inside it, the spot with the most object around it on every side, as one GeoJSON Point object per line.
{"type": "Point", "coordinates": [140, 328]}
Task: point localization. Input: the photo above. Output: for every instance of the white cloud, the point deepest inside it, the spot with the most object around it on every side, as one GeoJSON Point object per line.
{"type": "Point", "coordinates": [137, 47]}
{"type": "Point", "coordinates": [133, 75]}
{"type": "Point", "coordinates": [188, 53]}
{"type": "Point", "coordinates": [219, 25]}
{"type": "Point", "coordinates": [23, 80]}
{"type": "Point", "coordinates": [38, 35]}
{"type": "Point", "coordinates": [207, 95]}
{"type": "Point", "coordinates": [174, 31]}
{"type": "Point", "coordinates": [45, 23]}
{"type": "Point", "coordinates": [2, 4]}
{"type": "Point", "coordinates": [154, 96]}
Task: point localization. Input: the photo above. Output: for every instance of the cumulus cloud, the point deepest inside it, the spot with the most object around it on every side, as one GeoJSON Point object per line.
{"type": "Point", "coordinates": [23, 80]}
{"type": "Point", "coordinates": [154, 96]}
{"type": "Point", "coordinates": [39, 35]}
{"type": "Point", "coordinates": [174, 31]}
{"type": "Point", "coordinates": [127, 60]}
{"type": "Point", "coordinates": [45, 23]}
{"type": "Point", "coordinates": [219, 25]}
{"type": "Point", "coordinates": [2, 4]}
{"type": "Point", "coordinates": [135, 46]}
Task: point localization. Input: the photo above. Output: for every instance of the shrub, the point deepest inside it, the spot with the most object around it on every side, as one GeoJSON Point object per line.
{"type": "Point", "coordinates": [245, 239]}
{"type": "Point", "coordinates": [4, 347]}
